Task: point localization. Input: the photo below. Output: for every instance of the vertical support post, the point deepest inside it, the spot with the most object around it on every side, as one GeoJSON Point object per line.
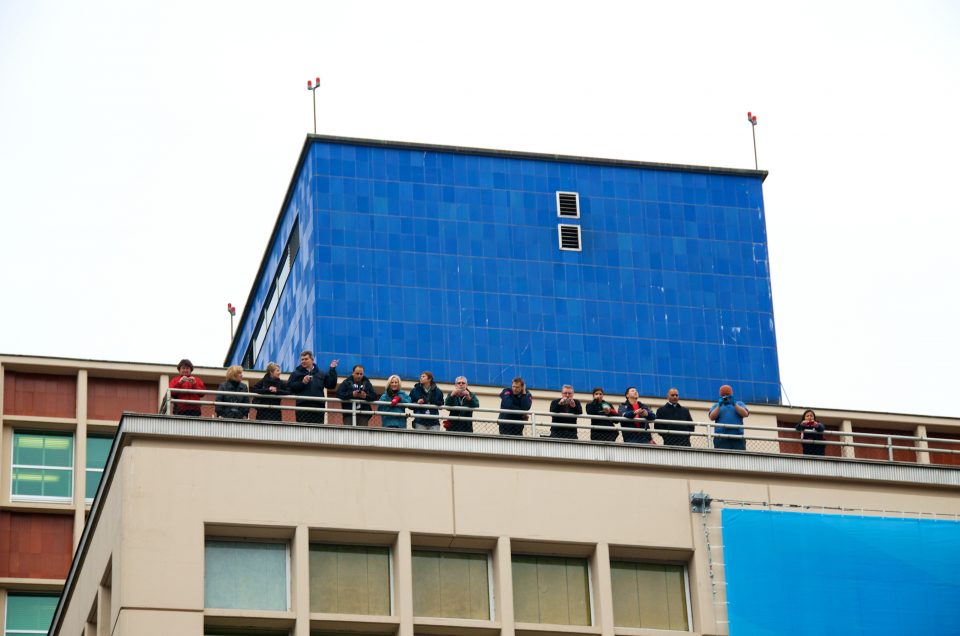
{"type": "Point", "coordinates": [404, 582]}
{"type": "Point", "coordinates": [923, 456]}
{"type": "Point", "coordinates": [300, 580]}
{"type": "Point", "coordinates": [889, 448]}
{"type": "Point", "coordinates": [503, 586]}
{"type": "Point", "coordinates": [846, 428]}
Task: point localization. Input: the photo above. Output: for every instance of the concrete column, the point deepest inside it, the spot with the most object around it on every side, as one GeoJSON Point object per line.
{"type": "Point", "coordinates": [404, 582]}
{"type": "Point", "coordinates": [2, 481]}
{"type": "Point", "coordinates": [300, 580]}
{"type": "Point", "coordinates": [503, 586]}
{"type": "Point", "coordinates": [104, 628]}
{"type": "Point", "coordinates": [602, 589]}
{"type": "Point", "coordinates": [163, 385]}
{"type": "Point", "coordinates": [923, 457]}
{"type": "Point", "coordinates": [846, 427]}
{"type": "Point", "coordinates": [80, 460]}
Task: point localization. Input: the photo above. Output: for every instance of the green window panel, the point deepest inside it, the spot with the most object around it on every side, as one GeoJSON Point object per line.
{"type": "Point", "coordinates": [553, 590]}
{"type": "Point", "coordinates": [649, 595]}
{"type": "Point", "coordinates": [245, 575]}
{"type": "Point", "coordinates": [98, 448]}
{"type": "Point", "coordinates": [29, 614]}
{"type": "Point", "coordinates": [350, 579]}
{"type": "Point", "coordinates": [451, 584]}
{"type": "Point", "coordinates": [42, 466]}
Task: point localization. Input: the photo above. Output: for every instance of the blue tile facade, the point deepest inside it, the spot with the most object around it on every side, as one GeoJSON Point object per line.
{"type": "Point", "coordinates": [418, 258]}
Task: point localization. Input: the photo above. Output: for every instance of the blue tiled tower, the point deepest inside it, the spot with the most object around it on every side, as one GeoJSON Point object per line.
{"type": "Point", "coordinates": [409, 257]}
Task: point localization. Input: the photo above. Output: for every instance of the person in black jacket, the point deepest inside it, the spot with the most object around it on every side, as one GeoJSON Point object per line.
{"type": "Point", "coordinates": [309, 382]}
{"type": "Point", "coordinates": [811, 434]}
{"type": "Point", "coordinates": [606, 416]}
{"type": "Point", "coordinates": [515, 398]}
{"type": "Point", "coordinates": [426, 394]}
{"type": "Point", "coordinates": [269, 390]}
{"type": "Point", "coordinates": [565, 409]}
{"type": "Point", "coordinates": [668, 417]}
{"type": "Point", "coordinates": [461, 420]}
{"type": "Point", "coordinates": [356, 393]}
{"type": "Point", "coordinates": [640, 416]}
{"type": "Point", "coordinates": [226, 405]}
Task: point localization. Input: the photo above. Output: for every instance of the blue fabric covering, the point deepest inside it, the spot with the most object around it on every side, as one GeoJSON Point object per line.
{"type": "Point", "coordinates": [800, 573]}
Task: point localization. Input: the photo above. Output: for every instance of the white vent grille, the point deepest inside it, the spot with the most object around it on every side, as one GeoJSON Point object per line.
{"type": "Point", "coordinates": [569, 237]}
{"type": "Point", "coordinates": [568, 205]}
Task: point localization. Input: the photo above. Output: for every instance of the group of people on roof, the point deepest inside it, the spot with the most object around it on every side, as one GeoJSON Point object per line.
{"type": "Point", "coordinates": [307, 383]}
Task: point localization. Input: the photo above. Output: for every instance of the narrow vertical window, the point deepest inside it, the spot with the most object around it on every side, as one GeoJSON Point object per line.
{"type": "Point", "coordinates": [451, 584]}
{"type": "Point", "coordinates": [649, 595]}
{"type": "Point", "coordinates": [347, 579]}
{"type": "Point", "coordinates": [98, 448]}
{"type": "Point", "coordinates": [552, 590]}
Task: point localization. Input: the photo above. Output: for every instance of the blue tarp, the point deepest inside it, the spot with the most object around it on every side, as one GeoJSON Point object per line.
{"type": "Point", "coordinates": [801, 573]}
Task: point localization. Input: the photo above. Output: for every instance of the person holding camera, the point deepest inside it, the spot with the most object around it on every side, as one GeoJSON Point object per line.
{"type": "Point", "coordinates": [186, 380]}
{"type": "Point", "coordinates": [310, 382]}
{"type": "Point", "coordinates": [563, 408]}
{"type": "Point", "coordinates": [729, 411]}
{"type": "Point", "coordinates": [514, 399]}
{"type": "Point", "coordinates": [606, 416]}
{"type": "Point", "coordinates": [356, 393]}
{"type": "Point", "coordinates": [638, 416]}
{"type": "Point", "coordinates": [811, 434]}
{"type": "Point", "coordinates": [669, 418]}
{"type": "Point", "coordinates": [461, 419]}
{"type": "Point", "coordinates": [392, 401]}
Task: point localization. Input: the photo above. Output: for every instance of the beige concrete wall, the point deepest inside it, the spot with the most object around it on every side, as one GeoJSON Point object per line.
{"type": "Point", "coordinates": [173, 492]}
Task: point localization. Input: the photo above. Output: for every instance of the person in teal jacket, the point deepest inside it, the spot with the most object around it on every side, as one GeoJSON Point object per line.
{"type": "Point", "coordinates": [391, 402]}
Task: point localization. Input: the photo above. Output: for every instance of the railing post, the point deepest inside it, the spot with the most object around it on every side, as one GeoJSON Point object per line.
{"type": "Point", "coordinates": [709, 435]}
{"type": "Point", "coordinates": [353, 411]}
{"type": "Point", "coordinates": [169, 403]}
{"type": "Point", "coordinates": [889, 448]}
{"type": "Point", "coordinates": [533, 424]}
{"type": "Point", "coordinates": [846, 428]}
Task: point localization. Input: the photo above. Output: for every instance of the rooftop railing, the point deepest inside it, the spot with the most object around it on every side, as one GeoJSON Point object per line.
{"type": "Point", "coordinates": [602, 429]}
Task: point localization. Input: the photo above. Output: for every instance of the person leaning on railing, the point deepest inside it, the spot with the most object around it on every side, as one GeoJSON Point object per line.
{"type": "Point", "coordinates": [639, 415]}
{"type": "Point", "coordinates": [392, 401]}
{"type": "Point", "coordinates": [426, 394]}
{"type": "Point", "coordinates": [811, 434]}
{"type": "Point", "coordinates": [565, 409]}
{"type": "Point", "coordinates": [358, 391]}
{"type": "Point", "coordinates": [515, 398]}
{"type": "Point", "coordinates": [186, 380]}
{"type": "Point", "coordinates": [606, 416]}
{"type": "Point", "coordinates": [309, 381]}
{"type": "Point", "coordinates": [461, 420]}
{"type": "Point", "coordinates": [729, 411]}
{"type": "Point", "coordinates": [228, 406]}
{"type": "Point", "coordinates": [269, 390]}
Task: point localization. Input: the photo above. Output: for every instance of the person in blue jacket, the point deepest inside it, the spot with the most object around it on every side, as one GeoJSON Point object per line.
{"type": "Point", "coordinates": [392, 401]}
{"type": "Point", "coordinates": [515, 398]}
{"type": "Point", "coordinates": [729, 411]}
{"type": "Point", "coordinates": [426, 394]}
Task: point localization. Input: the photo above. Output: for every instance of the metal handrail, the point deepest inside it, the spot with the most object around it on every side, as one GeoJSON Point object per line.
{"type": "Point", "coordinates": [537, 419]}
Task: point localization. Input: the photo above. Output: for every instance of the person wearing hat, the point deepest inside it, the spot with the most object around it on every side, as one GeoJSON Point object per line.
{"type": "Point", "coordinates": [727, 410]}
{"type": "Point", "coordinates": [186, 380]}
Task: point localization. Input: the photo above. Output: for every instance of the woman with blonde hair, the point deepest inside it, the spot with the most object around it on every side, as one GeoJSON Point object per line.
{"type": "Point", "coordinates": [391, 402]}
{"type": "Point", "coordinates": [227, 405]}
{"type": "Point", "coordinates": [268, 390]}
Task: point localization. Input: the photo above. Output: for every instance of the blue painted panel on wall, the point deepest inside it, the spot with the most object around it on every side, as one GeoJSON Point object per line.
{"type": "Point", "coordinates": [815, 574]}
{"type": "Point", "coordinates": [450, 262]}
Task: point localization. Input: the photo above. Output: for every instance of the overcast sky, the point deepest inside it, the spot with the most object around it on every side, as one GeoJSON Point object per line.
{"type": "Point", "coordinates": [145, 149]}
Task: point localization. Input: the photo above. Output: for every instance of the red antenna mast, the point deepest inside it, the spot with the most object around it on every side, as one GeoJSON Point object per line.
{"type": "Point", "coordinates": [312, 87]}
{"type": "Point", "coordinates": [233, 312]}
{"type": "Point", "coordinates": [753, 127]}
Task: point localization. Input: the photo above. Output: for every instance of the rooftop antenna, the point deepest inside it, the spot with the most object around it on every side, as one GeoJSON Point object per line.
{"type": "Point", "coordinates": [312, 87]}
{"type": "Point", "coordinates": [753, 127]}
{"type": "Point", "coordinates": [233, 312]}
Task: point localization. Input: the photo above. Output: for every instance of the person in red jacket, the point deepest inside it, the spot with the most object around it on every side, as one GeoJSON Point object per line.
{"type": "Point", "coordinates": [186, 380]}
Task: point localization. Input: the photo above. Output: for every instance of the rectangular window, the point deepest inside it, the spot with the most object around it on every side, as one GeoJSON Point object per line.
{"type": "Point", "coordinates": [246, 575]}
{"type": "Point", "coordinates": [451, 584]}
{"type": "Point", "coordinates": [29, 614]}
{"type": "Point", "coordinates": [552, 590]}
{"type": "Point", "coordinates": [649, 595]}
{"type": "Point", "coordinates": [42, 466]}
{"type": "Point", "coordinates": [347, 579]}
{"type": "Point", "coordinates": [98, 448]}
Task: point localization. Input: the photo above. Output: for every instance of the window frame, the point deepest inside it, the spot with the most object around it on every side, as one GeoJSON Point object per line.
{"type": "Point", "coordinates": [72, 468]}
{"type": "Point", "coordinates": [492, 614]}
{"type": "Point", "coordinates": [267, 540]}
{"type": "Point", "coordinates": [391, 574]}
{"type": "Point", "coordinates": [685, 568]}
{"type": "Point", "coordinates": [591, 601]}
{"type": "Point", "coordinates": [6, 612]}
